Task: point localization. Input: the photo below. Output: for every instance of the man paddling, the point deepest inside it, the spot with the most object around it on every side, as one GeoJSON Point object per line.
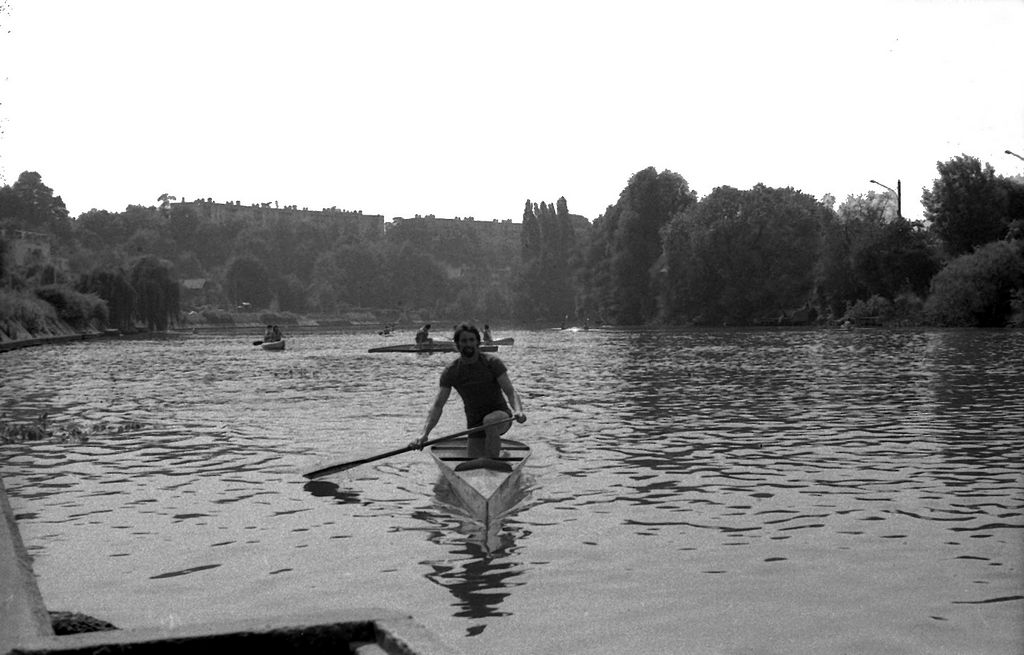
{"type": "Point", "coordinates": [483, 383]}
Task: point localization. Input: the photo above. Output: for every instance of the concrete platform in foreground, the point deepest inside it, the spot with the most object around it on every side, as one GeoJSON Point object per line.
{"type": "Point", "coordinates": [363, 631]}
{"type": "Point", "coordinates": [25, 623]}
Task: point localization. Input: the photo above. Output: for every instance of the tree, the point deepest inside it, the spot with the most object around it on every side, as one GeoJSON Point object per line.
{"type": "Point", "coordinates": [412, 279]}
{"type": "Point", "coordinates": [30, 205]}
{"type": "Point", "coordinates": [867, 250]}
{"type": "Point", "coordinates": [549, 257]}
{"type": "Point", "coordinates": [165, 200]}
{"type": "Point", "coordinates": [627, 243]}
{"type": "Point", "coordinates": [979, 289]}
{"type": "Point", "coordinates": [156, 291]}
{"type": "Point", "coordinates": [247, 280]}
{"type": "Point", "coordinates": [183, 227]}
{"type": "Point", "coordinates": [740, 257]}
{"type": "Point", "coordinates": [290, 293]}
{"type": "Point", "coordinates": [97, 229]}
{"type": "Point", "coordinates": [967, 205]}
{"type": "Point", "coordinates": [114, 287]}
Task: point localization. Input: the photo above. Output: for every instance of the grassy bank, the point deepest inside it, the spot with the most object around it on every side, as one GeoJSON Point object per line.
{"type": "Point", "coordinates": [24, 315]}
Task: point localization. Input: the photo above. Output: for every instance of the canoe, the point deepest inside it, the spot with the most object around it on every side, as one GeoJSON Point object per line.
{"type": "Point", "coordinates": [485, 493]}
{"type": "Point", "coordinates": [273, 345]}
{"type": "Point", "coordinates": [507, 341]}
{"type": "Point", "coordinates": [435, 347]}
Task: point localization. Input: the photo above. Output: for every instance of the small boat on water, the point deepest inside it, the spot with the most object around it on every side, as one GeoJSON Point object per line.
{"type": "Point", "coordinates": [507, 341]}
{"type": "Point", "coordinates": [430, 347]}
{"type": "Point", "coordinates": [486, 493]}
{"type": "Point", "coordinates": [273, 345]}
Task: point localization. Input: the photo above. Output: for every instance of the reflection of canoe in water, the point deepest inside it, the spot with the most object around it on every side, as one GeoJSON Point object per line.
{"type": "Point", "coordinates": [485, 493]}
{"type": "Point", "coordinates": [273, 345]}
{"type": "Point", "coordinates": [507, 341]}
{"type": "Point", "coordinates": [431, 347]}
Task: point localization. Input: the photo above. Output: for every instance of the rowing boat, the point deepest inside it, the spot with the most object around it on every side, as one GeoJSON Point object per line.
{"type": "Point", "coordinates": [507, 341]}
{"type": "Point", "coordinates": [273, 345]}
{"type": "Point", "coordinates": [433, 347]}
{"type": "Point", "coordinates": [486, 493]}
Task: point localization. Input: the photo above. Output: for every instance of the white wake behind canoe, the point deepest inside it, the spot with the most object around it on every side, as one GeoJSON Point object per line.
{"type": "Point", "coordinates": [486, 494]}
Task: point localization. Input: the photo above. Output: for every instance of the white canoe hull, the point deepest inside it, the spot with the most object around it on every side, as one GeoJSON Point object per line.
{"type": "Point", "coordinates": [485, 494]}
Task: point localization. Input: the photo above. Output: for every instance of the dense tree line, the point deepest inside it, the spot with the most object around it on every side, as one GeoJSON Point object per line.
{"type": "Point", "coordinates": [312, 265]}
{"type": "Point", "coordinates": [659, 254]}
{"type": "Point", "coordinates": [770, 256]}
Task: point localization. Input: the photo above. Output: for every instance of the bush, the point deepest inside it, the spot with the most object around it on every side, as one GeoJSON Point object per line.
{"type": "Point", "coordinates": [15, 282]}
{"type": "Point", "coordinates": [32, 313]}
{"type": "Point", "coordinates": [218, 317]}
{"type": "Point", "coordinates": [908, 309]}
{"type": "Point", "coordinates": [979, 289]}
{"type": "Point", "coordinates": [904, 310]}
{"type": "Point", "coordinates": [876, 310]}
{"type": "Point", "coordinates": [74, 308]}
{"type": "Point", "coordinates": [1017, 307]}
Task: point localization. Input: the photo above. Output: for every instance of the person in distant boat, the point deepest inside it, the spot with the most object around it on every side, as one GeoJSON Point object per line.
{"type": "Point", "coordinates": [487, 334]}
{"type": "Point", "coordinates": [423, 334]}
{"type": "Point", "coordinates": [276, 334]}
{"type": "Point", "coordinates": [268, 334]}
{"type": "Point", "coordinates": [483, 383]}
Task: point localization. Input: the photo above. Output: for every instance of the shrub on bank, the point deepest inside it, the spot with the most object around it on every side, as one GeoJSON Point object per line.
{"type": "Point", "coordinates": [979, 289]}
{"type": "Point", "coordinates": [905, 310]}
{"type": "Point", "coordinates": [218, 317]}
{"type": "Point", "coordinates": [26, 310]}
{"type": "Point", "coordinates": [1017, 309]}
{"type": "Point", "coordinates": [79, 310]}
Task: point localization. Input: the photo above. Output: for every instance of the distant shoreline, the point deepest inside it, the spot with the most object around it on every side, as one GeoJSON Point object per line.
{"type": "Point", "coordinates": [17, 344]}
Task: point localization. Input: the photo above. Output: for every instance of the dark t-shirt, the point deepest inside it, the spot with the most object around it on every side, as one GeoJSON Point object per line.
{"type": "Point", "coordinates": [477, 384]}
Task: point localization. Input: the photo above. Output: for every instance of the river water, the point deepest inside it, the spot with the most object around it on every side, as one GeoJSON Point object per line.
{"type": "Point", "coordinates": [728, 491]}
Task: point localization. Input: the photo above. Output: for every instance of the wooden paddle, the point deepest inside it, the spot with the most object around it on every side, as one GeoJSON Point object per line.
{"type": "Point", "coordinates": [337, 468]}
{"type": "Point", "coordinates": [256, 343]}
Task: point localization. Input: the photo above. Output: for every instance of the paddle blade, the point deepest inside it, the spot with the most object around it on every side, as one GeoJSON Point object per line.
{"type": "Point", "coordinates": [330, 470]}
{"type": "Point", "coordinates": [257, 343]}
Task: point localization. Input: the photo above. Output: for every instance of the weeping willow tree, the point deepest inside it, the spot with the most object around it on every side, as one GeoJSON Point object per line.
{"type": "Point", "coordinates": [113, 286]}
{"type": "Point", "coordinates": [157, 296]}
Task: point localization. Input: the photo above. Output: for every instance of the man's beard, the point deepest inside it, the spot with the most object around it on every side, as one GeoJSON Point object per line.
{"type": "Point", "coordinates": [468, 351]}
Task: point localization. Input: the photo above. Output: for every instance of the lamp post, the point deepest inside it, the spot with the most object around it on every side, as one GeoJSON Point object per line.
{"type": "Point", "coordinates": [1009, 152]}
{"type": "Point", "coordinates": [899, 195]}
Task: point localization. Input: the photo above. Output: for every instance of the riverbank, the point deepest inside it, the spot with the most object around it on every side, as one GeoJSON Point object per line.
{"type": "Point", "coordinates": [14, 335]}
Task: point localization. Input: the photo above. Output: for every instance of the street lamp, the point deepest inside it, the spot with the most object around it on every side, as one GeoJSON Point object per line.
{"type": "Point", "coordinates": [899, 195]}
{"type": "Point", "coordinates": [1014, 154]}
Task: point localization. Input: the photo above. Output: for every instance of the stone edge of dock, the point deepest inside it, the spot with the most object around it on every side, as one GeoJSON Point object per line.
{"type": "Point", "coordinates": [25, 626]}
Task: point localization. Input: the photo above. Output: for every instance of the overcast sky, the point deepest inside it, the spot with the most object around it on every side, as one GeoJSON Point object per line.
{"type": "Point", "coordinates": [471, 108]}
